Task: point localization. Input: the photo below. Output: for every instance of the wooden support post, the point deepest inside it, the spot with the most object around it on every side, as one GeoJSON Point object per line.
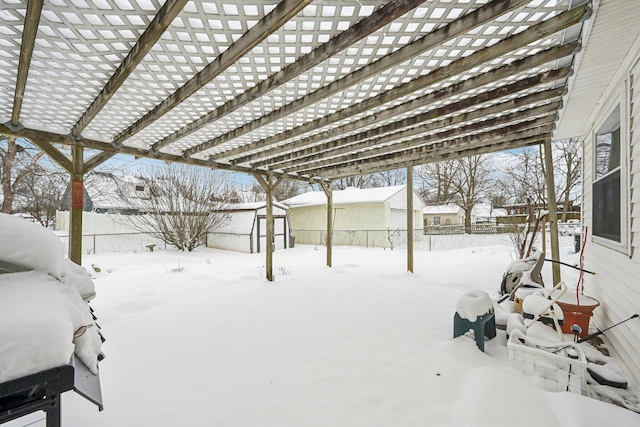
{"type": "Point", "coordinates": [553, 211]}
{"type": "Point", "coordinates": [269, 185]}
{"type": "Point", "coordinates": [543, 228]}
{"type": "Point", "coordinates": [410, 218]}
{"type": "Point", "coordinates": [77, 204]}
{"type": "Point", "coordinates": [326, 187]}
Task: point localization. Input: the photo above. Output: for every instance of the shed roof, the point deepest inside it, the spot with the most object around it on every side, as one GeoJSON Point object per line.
{"type": "Point", "coordinates": [302, 89]}
{"type": "Point", "coordinates": [350, 196]}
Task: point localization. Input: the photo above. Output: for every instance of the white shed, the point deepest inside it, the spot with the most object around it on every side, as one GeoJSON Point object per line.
{"type": "Point", "coordinates": [603, 108]}
{"type": "Point", "coordinates": [354, 209]}
{"type": "Point", "coordinates": [247, 228]}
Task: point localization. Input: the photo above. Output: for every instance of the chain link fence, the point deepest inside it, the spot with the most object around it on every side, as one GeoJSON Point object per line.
{"type": "Point", "coordinates": [125, 242]}
{"type": "Point", "coordinates": [428, 239]}
{"type": "Point", "coordinates": [438, 238]}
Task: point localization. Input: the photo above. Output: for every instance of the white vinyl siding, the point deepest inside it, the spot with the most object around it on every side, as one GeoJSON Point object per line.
{"type": "Point", "coordinates": [617, 281]}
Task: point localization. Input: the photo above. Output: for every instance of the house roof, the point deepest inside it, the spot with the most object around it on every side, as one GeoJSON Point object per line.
{"type": "Point", "coordinates": [350, 196]}
{"type": "Point", "coordinates": [447, 209]}
{"type": "Point", "coordinates": [252, 206]}
{"type": "Point", "coordinates": [299, 89]}
{"type": "Point", "coordinates": [607, 39]}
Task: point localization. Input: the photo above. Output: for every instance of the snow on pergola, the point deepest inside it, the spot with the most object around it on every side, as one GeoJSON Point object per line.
{"type": "Point", "coordinates": [292, 89]}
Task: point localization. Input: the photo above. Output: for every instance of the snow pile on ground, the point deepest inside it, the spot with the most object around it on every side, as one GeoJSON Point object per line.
{"type": "Point", "coordinates": [202, 339]}
{"type": "Point", "coordinates": [41, 309]}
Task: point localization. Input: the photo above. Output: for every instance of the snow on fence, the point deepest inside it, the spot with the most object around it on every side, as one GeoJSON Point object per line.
{"type": "Point", "coordinates": [430, 239]}
{"type": "Point", "coordinates": [121, 242]}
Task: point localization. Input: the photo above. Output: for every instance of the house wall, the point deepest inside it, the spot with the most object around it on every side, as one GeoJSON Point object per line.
{"type": "Point", "coordinates": [346, 217]}
{"type": "Point", "coordinates": [95, 223]}
{"type": "Point", "coordinates": [617, 281]}
{"type": "Point", "coordinates": [453, 219]}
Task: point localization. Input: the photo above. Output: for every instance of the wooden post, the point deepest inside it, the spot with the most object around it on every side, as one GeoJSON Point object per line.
{"type": "Point", "coordinates": [410, 218]}
{"type": "Point", "coordinates": [269, 185]}
{"type": "Point", "coordinates": [553, 211]}
{"type": "Point", "coordinates": [544, 234]}
{"type": "Point", "coordinates": [326, 187]}
{"type": "Point", "coordinates": [77, 204]}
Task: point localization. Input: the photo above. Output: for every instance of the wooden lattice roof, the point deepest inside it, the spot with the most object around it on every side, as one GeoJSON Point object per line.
{"type": "Point", "coordinates": [304, 89]}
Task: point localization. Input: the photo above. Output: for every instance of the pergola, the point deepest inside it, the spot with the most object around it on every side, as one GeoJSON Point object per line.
{"type": "Point", "coordinates": [297, 89]}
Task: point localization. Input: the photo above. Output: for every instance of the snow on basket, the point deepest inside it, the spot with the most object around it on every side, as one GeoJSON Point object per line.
{"type": "Point", "coordinates": [560, 366]}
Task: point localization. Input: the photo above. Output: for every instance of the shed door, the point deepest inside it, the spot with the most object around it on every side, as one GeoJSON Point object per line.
{"type": "Point", "coordinates": [280, 233]}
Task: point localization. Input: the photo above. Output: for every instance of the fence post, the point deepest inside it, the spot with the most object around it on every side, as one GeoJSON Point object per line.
{"type": "Point", "coordinates": [94, 244]}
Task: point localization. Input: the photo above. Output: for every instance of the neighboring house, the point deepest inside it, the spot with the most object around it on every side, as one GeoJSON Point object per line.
{"type": "Point", "coordinates": [448, 214]}
{"type": "Point", "coordinates": [603, 109]}
{"type": "Point", "coordinates": [485, 213]}
{"type": "Point", "coordinates": [103, 194]}
{"type": "Point", "coordinates": [373, 209]}
{"type": "Point", "coordinates": [247, 228]}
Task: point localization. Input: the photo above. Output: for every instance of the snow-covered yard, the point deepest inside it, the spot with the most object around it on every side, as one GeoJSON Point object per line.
{"type": "Point", "coordinates": [202, 339]}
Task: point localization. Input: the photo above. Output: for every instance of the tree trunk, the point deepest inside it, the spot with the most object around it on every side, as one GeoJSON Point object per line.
{"type": "Point", "coordinates": [467, 219]}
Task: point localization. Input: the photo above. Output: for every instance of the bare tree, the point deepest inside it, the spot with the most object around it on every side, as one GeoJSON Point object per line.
{"type": "Point", "coordinates": [525, 177]}
{"type": "Point", "coordinates": [437, 181]}
{"type": "Point", "coordinates": [17, 161]}
{"type": "Point", "coordinates": [470, 182]}
{"type": "Point", "coordinates": [40, 191]}
{"type": "Point", "coordinates": [178, 204]}
{"type": "Point", "coordinates": [361, 181]}
{"type": "Point", "coordinates": [567, 167]}
{"type": "Point", "coordinates": [289, 188]}
{"type": "Point", "coordinates": [391, 178]}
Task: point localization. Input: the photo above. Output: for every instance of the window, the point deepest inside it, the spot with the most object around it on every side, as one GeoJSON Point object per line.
{"type": "Point", "coordinates": [436, 220]}
{"type": "Point", "coordinates": [447, 221]}
{"type": "Point", "coordinates": [607, 200]}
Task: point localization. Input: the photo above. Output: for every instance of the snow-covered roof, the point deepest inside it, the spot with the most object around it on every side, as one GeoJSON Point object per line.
{"type": "Point", "coordinates": [441, 209]}
{"type": "Point", "coordinates": [252, 206]}
{"type": "Point", "coordinates": [486, 210]}
{"type": "Point", "coordinates": [346, 197]}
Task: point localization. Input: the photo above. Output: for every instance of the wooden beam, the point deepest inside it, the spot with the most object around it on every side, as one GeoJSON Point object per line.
{"type": "Point", "coordinates": [165, 16]}
{"type": "Point", "coordinates": [410, 226]}
{"type": "Point", "coordinates": [365, 139]}
{"type": "Point", "coordinates": [269, 185]}
{"type": "Point", "coordinates": [54, 154]}
{"type": "Point", "coordinates": [77, 204]}
{"type": "Point", "coordinates": [328, 191]}
{"type": "Point", "coordinates": [393, 160]}
{"type": "Point", "coordinates": [33, 134]}
{"type": "Point", "coordinates": [450, 137]}
{"type": "Point", "coordinates": [553, 212]}
{"type": "Point", "coordinates": [434, 132]}
{"type": "Point", "coordinates": [497, 74]}
{"type": "Point", "coordinates": [283, 12]}
{"type": "Point", "coordinates": [473, 83]}
{"type": "Point", "coordinates": [456, 28]}
{"type": "Point", "coordinates": [29, 32]}
{"type": "Point", "coordinates": [483, 149]}
{"type": "Point", "coordinates": [378, 19]}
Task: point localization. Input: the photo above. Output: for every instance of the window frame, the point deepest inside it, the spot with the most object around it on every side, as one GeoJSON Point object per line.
{"type": "Point", "coordinates": [620, 101]}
